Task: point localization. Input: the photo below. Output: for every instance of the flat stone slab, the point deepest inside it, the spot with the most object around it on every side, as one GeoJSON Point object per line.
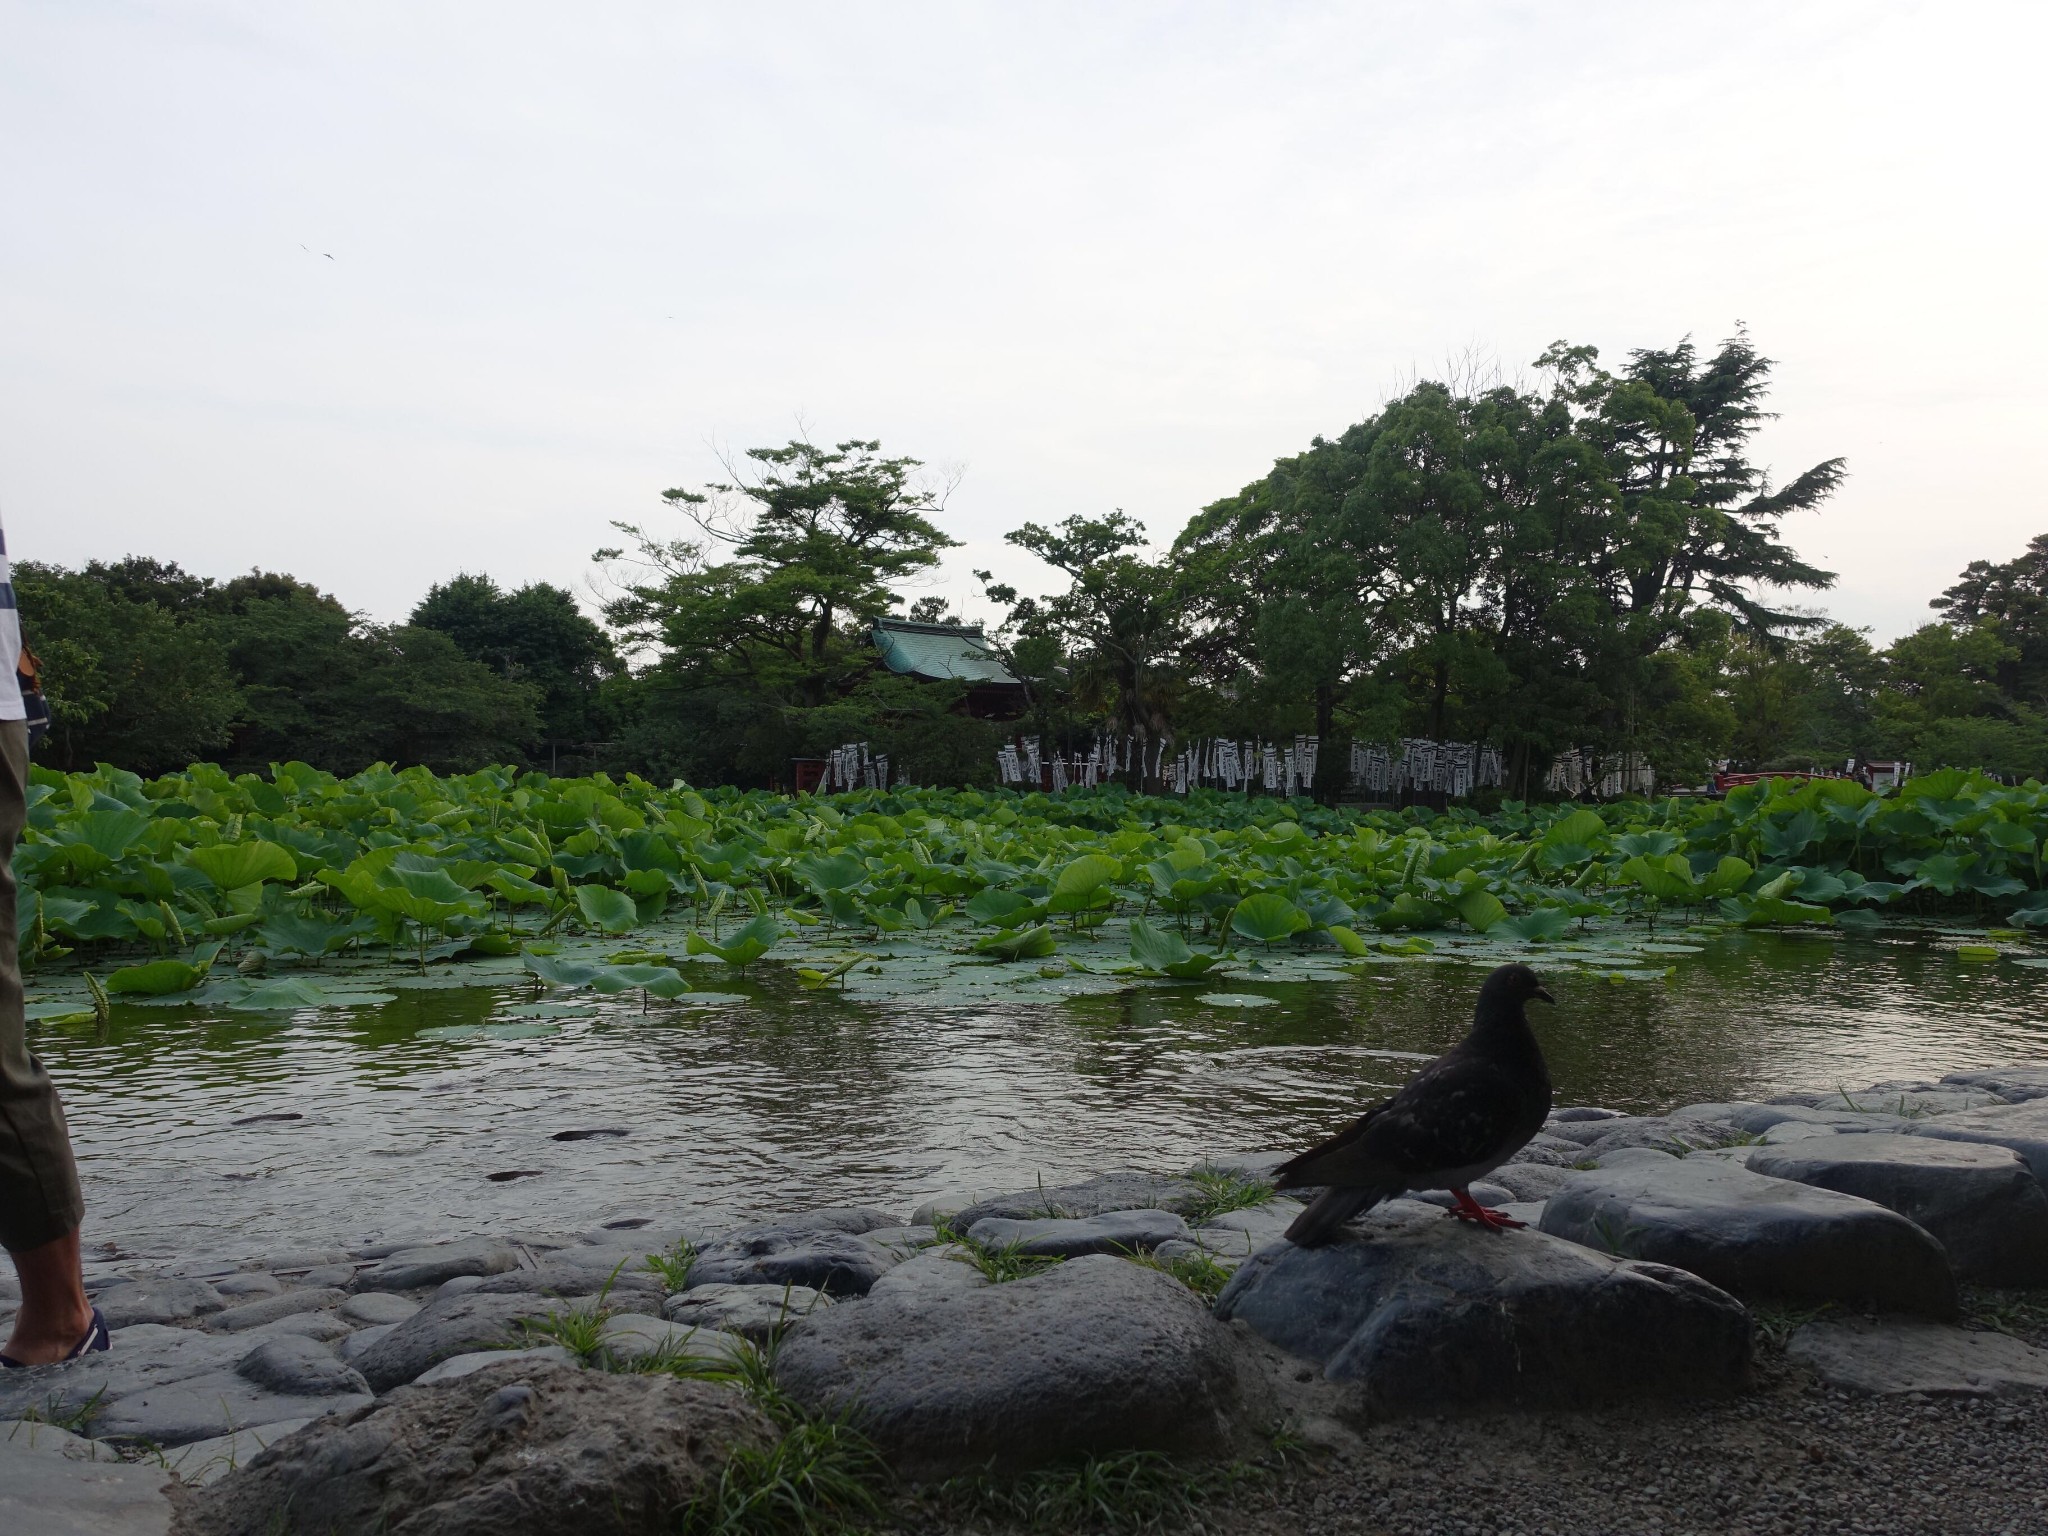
{"type": "Point", "coordinates": [756, 1312]}
{"type": "Point", "coordinates": [941, 1271]}
{"type": "Point", "coordinates": [248, 1283]}
{"type": "Point", "coordinates": [2022, 1127]}
{"type": "Point", "coordinates": [556, 1276]}
{"type": "Point", "coordinates": [1071, 1237]}
{"type": "Point", "coordinates": [208, 1461]}
{"type": "Point", "coordinates": [2015, 1084]}
{"type": "Point", "coordinates": [1244, 1232]}
{"type": "Point", "coordinates": [824, 1259]}
{"type": "Point", "coordinates": [269, 1309]}
{"type": "Point", "coordinates": [1090, 1197]}
{"type": "Point", "coordinates": [158, 1301]}
{"type": "Point", "coordinates": [371, 1308]}
{"type": "Point", "coordinates": [299, 1367]}
{"type": "Point", "coordinates": [1756, 1236]}
{"type": "Point", "coordinates": [142, 1357]}
{"type": "Point", "coordinates": [856, 1219]}
{"type": "Point", "coordinates": [455, 1367]}
{"type": "Point", "coordinates": [630, 1337]}
{"type": "Point", "coordinates": [1755, 1119]}
{"type": "Point", "coordinates": [1093, 1355]}
{"type": "Point", "coordinates": [1529, 1181]}
{"type": "Point", "coordinates": [203, 1407]}
{"type": "Point", "coordinates": [1981, 1202]}
{"type": "Point", "coordinates": [523, 1446]}
{"type": "Point", "coordinates": [409, 1268]}
{"type": "Point", "coordinates": [445, 1326]}
{"type": "Point", "coordinates": [1426, 1315]}
{"type": "Point", "coordinates": [46, 1493]}
{"type": "Point", "coordinates": [1894, 1356]}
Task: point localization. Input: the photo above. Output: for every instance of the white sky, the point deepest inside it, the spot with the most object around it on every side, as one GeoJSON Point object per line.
{"type": "Point", "coordinates": [1094, 255]}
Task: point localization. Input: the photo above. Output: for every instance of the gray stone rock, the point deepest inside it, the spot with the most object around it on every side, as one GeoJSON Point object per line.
{"type": "Point", "coordinates": [1628, 1157]}
{"type": "Point", "coordinates": [1755, 1119]}
{"type": "Point", "coordinates": [1228, 1252]}
{"type": "Point", "coordinates": [169, 1300]}
{"type": "Point", "coordinates": [268, 1309]}
{"type": "Point", "coordinates": [303, 1259]}
{"type": "Point", "coordinates": [856, 1219]}
{"type": "Point", "coordinates": [208, 1461]}
{"type": "Point", "coordinates": [904, 1242]}
{"type": "Point", "coordinates": [1093, 1355]}
{"type": "Point", "coordinates": [2015, 1085]}
{"type": "Point", "coordinates": [144, 1356]}
{"type": "Point", "coordinates": [1486, 1192]}
{"type": "Point", "coordinates": [2022, 1127]}
{"type": "Point", "coordinates": [372, 1308]}
{"type": "Point", "coordinates": [458, 1366]}
{"type": "Point", "coordinates": [1892, 1356]}
{"type": "Point", "coordinates": [1247, 1165]}
{"type": "Point", "coordinates": [1981, 1202]}
{"type": "Point", "coordinates": [1529, 1181]}
{"type": "Point", "coordinates": [1658, 1132]}
{"type": "Point", "coordinates": [1090, 1197]}
{"type": "Point", "coordinates": [328, 1276]}
{"type": "Point", "coordinates": [327, 1327]}
{"type": "Point", "coordinates": [1067, 1238]}
{"type": "Point", "coordinates": [629, 1337]}
{"type": "Point", "coordinates": [1422, 1315]}
{"type": "Point", "coordinates": [1249, 1229]}
{"type": "Point", "coordinates": [360, 1341]}
{"type": "Point", "coordinates": [48, 1494]}
{"type": "Point", "coordinates": [1581, 1114]}
{"type": "Point", "coordinates": [1756, 1236]}
{"type": "Point", "coordinates": [559, 1276]}
{"type": "Point", "coordinates": [840, 1263]}
{"type": "Point", "coordinates": [408, 1268]}
{"type": "Point", "coordinates": [525, 1446]}
{"type": "Point", "coordinates": [445, 1326]}
{"type": "Point", "coordinates": [247, 1283]}
{"type": "Point", "coordinates": [1912, 1103]}
{"type": "Point", "coordinates": [943, 1207]}
{"type": "Point", "coordinates": [756, 1312]}
{"type": "Point", "coordinates": [299, 1368]}
{"type": "Point", "coordinates": [1553, 1151]}
{"type": "Point", "coordinates": [202, 1407]}
{"type": "Point", "coordinates": [942, 1271]}
{"type": "Point", "coordinates": [32, 1435]}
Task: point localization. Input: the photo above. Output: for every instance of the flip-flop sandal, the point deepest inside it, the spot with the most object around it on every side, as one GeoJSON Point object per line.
{"type": "Point", "coordinates": [95, 1340]}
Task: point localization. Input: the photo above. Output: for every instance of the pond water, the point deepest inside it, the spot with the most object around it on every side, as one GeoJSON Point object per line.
{"type": "Point", "coordinates": [231, 1135]}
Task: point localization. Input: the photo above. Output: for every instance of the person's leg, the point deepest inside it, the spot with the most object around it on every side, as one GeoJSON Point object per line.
{"type": "Point", "coordinates": [40, 1206]}
{"type": "Point", "coordinates": [54, 1313]}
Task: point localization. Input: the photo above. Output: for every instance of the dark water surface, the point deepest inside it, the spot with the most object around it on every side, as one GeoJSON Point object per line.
{"type": "Point", "coordinates": [797, 1099]}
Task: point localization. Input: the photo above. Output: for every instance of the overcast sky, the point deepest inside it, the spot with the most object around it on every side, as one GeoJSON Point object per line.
{"type": "Point", "coordinates": [1088, 256]}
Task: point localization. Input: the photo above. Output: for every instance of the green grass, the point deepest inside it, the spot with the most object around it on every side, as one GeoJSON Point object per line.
{"type": "Point", "coordinates": [73, 1422]}
{"type": "Point", "coordinates": [999, 1263]}
{"type": "Point", "coordinates": [675, 1265]}
{"type": "Point", "coordinates": [1197, 1271]}
{"type": "Point", "coordinates": [1776, 1322]}
{"type": "Point", "coordinates": [2023, 1314]}
{"type": "Point", "coordinates": [823, 1476]}
{"type": "Point", "coordinates": [581, 1333]}
{"type": "Point", "coordinates": [1224, 1191]}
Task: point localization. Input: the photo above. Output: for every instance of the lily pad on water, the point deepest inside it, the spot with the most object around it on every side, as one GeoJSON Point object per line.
{"type": "Point", "coordinates": [712, 999]}
{"type": "Point", "coordinates": [1236, 1000]}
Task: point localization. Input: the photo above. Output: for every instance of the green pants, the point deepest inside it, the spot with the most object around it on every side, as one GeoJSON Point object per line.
{"type": "Point", "coordinates": [39, 1198]}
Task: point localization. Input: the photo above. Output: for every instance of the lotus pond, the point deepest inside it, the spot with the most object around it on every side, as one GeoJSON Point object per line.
{"type": "Point", "coordinates": [306, 1010]}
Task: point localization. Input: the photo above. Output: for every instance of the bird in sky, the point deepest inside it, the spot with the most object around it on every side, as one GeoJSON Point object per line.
{"type": "Point", "coordinates": [311, 252]}
{"type": "Point", "coordinates": [1458, 1119]}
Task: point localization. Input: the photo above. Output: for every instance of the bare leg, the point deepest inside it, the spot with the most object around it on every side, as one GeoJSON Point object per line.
{"type": "Point", "coordinates": [54, 1313]}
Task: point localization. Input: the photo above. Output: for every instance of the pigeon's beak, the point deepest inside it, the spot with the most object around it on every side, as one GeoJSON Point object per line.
{"type": "Point", "coordinates": [1542, 994]}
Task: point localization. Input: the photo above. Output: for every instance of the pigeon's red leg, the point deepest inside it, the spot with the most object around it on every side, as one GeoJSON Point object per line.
{"type": "Point", "coordinates": [1468, 1209]}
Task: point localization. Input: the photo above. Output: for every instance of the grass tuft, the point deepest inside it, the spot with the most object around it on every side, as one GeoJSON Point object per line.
{"type": "Point", "coordinates": [1775, 1324]}
{"type": "Point", "coordinates": [1223, 1191]}
{"type": "Point", "coordinates": [675, 1265]}
{"type": "Point", "coordinates": [823, 1476]}
{"type": "Point", "coordinates": [1199, 1272]}
{"type": "Point", "coordinates": [2023, 1314]}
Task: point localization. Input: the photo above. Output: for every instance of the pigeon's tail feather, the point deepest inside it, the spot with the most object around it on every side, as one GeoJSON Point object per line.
{"type": "Point", "coordinates": [1326, 1214]}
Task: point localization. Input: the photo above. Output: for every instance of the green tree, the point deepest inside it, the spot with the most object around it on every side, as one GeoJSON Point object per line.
{"type": "Point", "coordinates": [2012, 596]}
{"type": "Point", "coordinates": [536, 635]}
{"type": "Point", "coordinates": [757, 619]}
{"type": "Point", "coordinates": [131, 680]}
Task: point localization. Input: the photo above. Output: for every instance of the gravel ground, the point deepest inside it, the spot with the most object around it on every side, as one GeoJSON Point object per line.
{"type": "Point", "coordinates": [1789, 1458]}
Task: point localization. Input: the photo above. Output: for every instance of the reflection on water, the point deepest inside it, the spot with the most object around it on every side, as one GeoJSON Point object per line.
{"type": "Point", "coordinates": [806, 1099]}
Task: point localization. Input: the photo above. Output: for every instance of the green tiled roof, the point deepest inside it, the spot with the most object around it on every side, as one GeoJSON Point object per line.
{"type": "Point", "coordinates": [938, 651]}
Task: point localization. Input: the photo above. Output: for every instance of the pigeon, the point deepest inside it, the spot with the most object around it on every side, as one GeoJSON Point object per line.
{"type": "Point", "coordinates": [1461, 1117]}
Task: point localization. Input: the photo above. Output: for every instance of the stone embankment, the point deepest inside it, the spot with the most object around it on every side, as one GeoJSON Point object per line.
{"type": "Point", "coordinates": [602, 1381]}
